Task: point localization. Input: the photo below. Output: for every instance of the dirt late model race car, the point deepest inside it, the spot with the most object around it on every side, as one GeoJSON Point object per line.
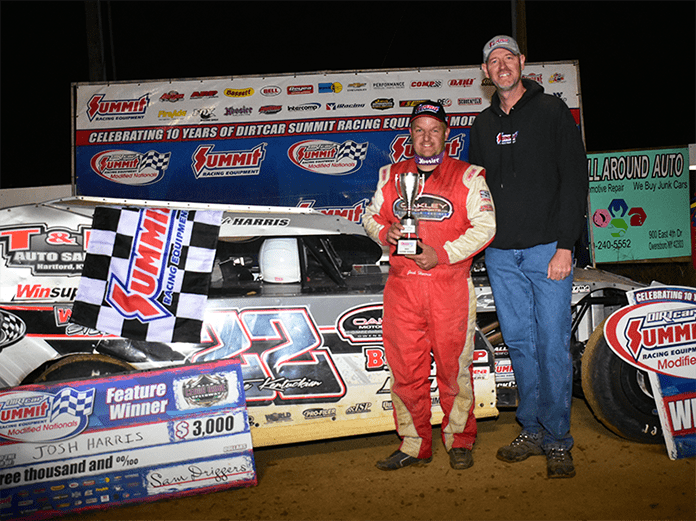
{"type": "Point", "coordinates": [296, 296]}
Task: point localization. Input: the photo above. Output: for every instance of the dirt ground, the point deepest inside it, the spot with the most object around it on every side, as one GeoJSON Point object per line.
{"type": "Point", "coordinates": [337, 480]}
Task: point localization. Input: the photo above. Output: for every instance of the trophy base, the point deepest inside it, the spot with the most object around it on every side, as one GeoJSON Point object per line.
{"type": "Point", "coordinates": [408, 247]}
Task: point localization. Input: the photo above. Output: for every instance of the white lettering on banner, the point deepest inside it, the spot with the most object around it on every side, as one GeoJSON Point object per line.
{"type": "Point", "coordinates": [310, 127]}
{"type": "Point", "coordinates": [260, 130]}
{"type": "Point", "coordinates": [121, 410]}
{"type": "Point", "coordinates": [114, 136]}
{"type": "Point", "coordinates": [359, 124]}
{"type": "Point", "coordinates": [683, 414]}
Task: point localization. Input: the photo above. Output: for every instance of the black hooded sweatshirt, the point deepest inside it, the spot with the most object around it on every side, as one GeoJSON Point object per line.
{"type": "Point", "coordinates": [536, 169]}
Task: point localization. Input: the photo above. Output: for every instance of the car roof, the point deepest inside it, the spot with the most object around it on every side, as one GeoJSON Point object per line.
{"type": "Point", "coordinates": [237, 221]}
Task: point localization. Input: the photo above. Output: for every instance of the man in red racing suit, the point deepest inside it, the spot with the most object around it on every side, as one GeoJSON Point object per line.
{"type": "Point", "coordinates": [429, 299]}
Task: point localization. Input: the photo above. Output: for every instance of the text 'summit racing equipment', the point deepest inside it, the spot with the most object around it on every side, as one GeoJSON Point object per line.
{"type": "Point", "coordinates": [307, 330]}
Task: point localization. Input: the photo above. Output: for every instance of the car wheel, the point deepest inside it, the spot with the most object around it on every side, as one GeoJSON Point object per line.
{"type": "Point", "coordinates": [619, 394]}
{"type": "Point", "coordinates": [77, 367]}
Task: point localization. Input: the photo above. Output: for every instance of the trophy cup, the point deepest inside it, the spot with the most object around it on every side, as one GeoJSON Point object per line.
{"type": "Point", "coordinates": [409, 185]}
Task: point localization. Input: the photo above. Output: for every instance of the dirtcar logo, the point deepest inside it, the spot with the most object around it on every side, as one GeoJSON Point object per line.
{"type": "Point", "coordinates": [207, 163]}
{"type": "Point", "coordinates": [658, 336]}
{"type": "Point", "coordinates": [328, 157]}
{"type": "Point", "coordinates": [172, 96]}
{"type": "Point", "coordinates": [116, 109]}
{"type": "Point", "coordinates": [131, 168]}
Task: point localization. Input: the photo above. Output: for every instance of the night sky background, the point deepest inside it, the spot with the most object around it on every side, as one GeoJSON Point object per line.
{"type": "Point", "coordinates": [637, 59]}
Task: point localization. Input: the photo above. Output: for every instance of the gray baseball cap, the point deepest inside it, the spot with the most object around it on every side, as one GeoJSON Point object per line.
{"type": "Point", "coordinates": [500, 42]}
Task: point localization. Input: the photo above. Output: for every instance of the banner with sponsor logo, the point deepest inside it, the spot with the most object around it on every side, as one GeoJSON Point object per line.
{"type": "Point", "coordinates": [90, 444]}
{"type": "Point", "coordinates": [639, 205]}
{"type": "Point", "coordinates": [313, 139]}
{"type": "Point", "coordinates": [656, 333]}
{"type": "Point", "coordinates": [147, 273]}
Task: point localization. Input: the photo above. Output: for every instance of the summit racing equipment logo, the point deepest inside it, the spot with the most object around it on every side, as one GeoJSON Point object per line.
{"type": "Point", "coordinates": [139, 294]}
{"type": "Point", "coordinates": [116, 109]}
{"type": "Point", "coordinates": [506, 139]}
{"type": "Point", "coordinates": [32, 416]}
{"type": "Point", "coordinates": [207, 163]}
{"type": "Point", "coordinates": [353, 213]}
{"type": "Point", "coordinates": [131, 168]}
{"type": "Point", "coordinates": [401, 148]}
{"type": "Point", "coordinates": [328, 157]}
{"type": "Point", "coordinates": [656, 336]}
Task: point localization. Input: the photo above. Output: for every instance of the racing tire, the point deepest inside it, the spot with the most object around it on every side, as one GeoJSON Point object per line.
{"type": "Point", "coordinates": [619, 394]}
{"type": "Point", "coordinates": [82, 366]}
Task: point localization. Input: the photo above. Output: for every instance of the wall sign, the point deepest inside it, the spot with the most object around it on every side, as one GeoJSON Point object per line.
{"type": "Point", "coordinates": [639, 205]}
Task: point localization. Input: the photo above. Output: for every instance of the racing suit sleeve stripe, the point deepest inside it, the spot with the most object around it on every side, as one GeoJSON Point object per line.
{"type": "Point", "coordinates": [374, 222]}
{"type": "Point", "coordinates": [481, 214]}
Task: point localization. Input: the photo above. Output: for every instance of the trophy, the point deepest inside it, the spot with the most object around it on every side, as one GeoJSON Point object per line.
{"type": "Point", "coordinates": [409, 186]}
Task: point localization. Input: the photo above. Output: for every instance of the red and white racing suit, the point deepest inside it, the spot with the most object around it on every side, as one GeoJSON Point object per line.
{"type": "Point", "coordinates": [433, 311]}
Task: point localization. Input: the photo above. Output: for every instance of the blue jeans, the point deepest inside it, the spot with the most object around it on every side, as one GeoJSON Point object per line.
{"type": "Point", "coordinates": [535, 320]}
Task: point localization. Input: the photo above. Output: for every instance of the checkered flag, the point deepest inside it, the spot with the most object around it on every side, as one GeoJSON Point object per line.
{"type": "Point", "coordinates": [147, 273]}
{"type": "Point", "coordinates": [12, 329]}
{"type": "Point", "coordinates": [155, 161]}
{"type": "Point", "coordinates": [352, 150]}
{"type": "Point", "coordinates": [75, 403]}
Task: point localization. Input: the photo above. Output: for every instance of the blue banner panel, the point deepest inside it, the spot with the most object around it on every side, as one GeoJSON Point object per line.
{"type": "Point", "coordinates": [311, 139]}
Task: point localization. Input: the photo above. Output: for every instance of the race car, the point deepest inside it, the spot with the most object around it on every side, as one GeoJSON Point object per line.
{"type": "Point", "coordinates": [296, 296]}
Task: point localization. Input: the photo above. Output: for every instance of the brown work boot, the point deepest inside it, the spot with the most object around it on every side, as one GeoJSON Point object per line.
{"type": "Point", "coordinates": [525, 445]}
{"type": "Point", "coordinates": [460, 458]}
{"type": "Point", "coordinates": [559, 463]}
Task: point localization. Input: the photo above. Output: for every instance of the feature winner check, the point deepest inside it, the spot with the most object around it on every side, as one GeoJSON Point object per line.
{"type": "Point", "coordinates": [138, 437]}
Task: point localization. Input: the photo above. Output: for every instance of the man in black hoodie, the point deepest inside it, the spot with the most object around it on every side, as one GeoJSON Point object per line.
{"type": "Point", "coordinates": [536, 169]}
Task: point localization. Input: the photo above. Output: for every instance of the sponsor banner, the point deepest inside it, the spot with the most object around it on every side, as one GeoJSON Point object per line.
{"type": "Point", "coordinates": [657, 333]}
{"type": "Point", "coordinates": [639, 205]}
{"type": "Point", "coordinates": [273, 140]}
{"type": "Point", "coordinates": [88, 444]}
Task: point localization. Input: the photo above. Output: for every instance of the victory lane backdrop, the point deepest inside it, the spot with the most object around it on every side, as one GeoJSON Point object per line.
{"type": "Point", "coordinates": [313, 139]}
{"type": "Point", "coordinates": [147, 273]}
